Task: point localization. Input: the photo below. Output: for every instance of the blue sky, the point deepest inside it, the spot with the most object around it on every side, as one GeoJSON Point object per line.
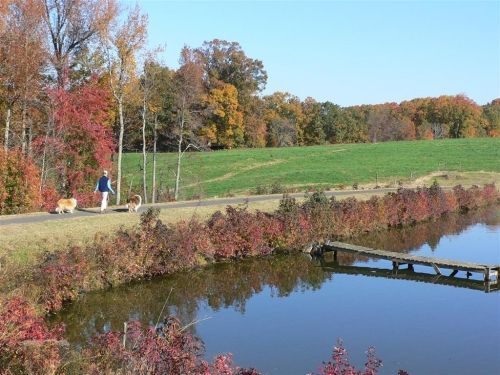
{"type": "Point", "coordinates": [348, 52]}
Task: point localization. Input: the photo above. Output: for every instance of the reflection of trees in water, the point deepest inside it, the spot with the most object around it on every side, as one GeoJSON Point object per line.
{"type": "Point", "coordinates": [221, 285]}
{"type": "Point", "coordinates": [232, 284]}
{"type": "Point", "coordinates": [410, 238]}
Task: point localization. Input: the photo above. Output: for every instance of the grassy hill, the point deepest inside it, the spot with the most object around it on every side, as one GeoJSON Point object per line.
{"type": "Point", "coordinates": [243, 171]}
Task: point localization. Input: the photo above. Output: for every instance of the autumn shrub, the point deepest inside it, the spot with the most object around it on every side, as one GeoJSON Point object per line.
{"type": "Point", "coordinates": [19, 183]}
{"type": "Point", "coordinates": [61, 276]}
{"type": "Point", "coordinates": [27, 345]}
{"type": "Point", "coordinates": [294, 225]}
{"type": "Point", "coordinates": [489, 194]}
{"type": "Point", "coordinates": [465, 201]}
{"type": "Point", "coordinates": [50, 196]}
{"type": "Point", "coordinates": [317, 210]}
{"type": "Point", "coordinates": [339, 363]}
{"type": "Point", "coordinates": [167, 348]}
{"type": "Point", "coordinates": [238, 233]}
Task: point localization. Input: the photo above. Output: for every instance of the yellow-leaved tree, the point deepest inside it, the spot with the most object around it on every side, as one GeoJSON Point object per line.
{"type": "Point", "coordinates": [225, 124]}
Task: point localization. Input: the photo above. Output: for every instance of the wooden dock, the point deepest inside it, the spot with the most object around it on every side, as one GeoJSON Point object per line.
{"type": "Point", "coordinates": [489, 271]}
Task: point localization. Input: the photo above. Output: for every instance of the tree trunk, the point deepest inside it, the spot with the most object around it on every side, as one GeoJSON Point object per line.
{"type": "Point", "coordinates": [7, 130]}
{"type": "Point", "coordinates": [30, 139]}
{"type": "Point", "coordinates": [120, 151]}
{"type": "Point", "coordinates": [23, 131]}
{"type": "Point", "coordinates": [155, 139]}
{"type": "Point", "coordinates": [179, 156]}
{"type": "Point", "coordinates": [144, 156]}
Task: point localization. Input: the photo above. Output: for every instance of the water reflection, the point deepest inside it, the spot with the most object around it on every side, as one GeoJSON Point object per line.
{"type": "Point", "coordinates": [219, 286]}
{"type": "Point", "coordinates": [409, 274]}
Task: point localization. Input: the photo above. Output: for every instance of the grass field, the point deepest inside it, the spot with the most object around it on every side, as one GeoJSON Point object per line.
{"type": "Point", "coordinates": [243, 171]}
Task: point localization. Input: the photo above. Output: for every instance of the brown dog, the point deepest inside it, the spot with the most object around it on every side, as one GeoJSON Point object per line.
{"type": "Point", "coordinates": [64, 205]}
{"type": "Point", "coordinates": [133, 203]}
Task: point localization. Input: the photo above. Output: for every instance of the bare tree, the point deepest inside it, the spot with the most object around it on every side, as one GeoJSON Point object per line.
{"type": "Point", "coordinates": [122, 46]}
{"type": "Point", "coordinates": [188, 88]}
{"type": "Point", "coordinates": [72, 26]}
{"type": "Point", "coordinates": [22, 59]}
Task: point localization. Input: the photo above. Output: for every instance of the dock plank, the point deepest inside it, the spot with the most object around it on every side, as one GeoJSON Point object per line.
{"type": "Point", "coordinates": [398, 258]}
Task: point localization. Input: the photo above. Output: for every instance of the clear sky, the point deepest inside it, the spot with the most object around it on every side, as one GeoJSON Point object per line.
{"type": "Point", "coordinates": [348, 52]}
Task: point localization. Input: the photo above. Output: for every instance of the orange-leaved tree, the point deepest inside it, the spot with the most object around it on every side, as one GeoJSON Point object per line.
{"type": "Point", "coordinates": [19, 183]}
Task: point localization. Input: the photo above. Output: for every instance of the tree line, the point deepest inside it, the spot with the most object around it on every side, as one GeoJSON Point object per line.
{"type": "Point", "coordinates": [79, 86]}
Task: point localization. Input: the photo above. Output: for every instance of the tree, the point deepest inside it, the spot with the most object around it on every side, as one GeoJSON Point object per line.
{"type": "Point", "coordinates": [22, 59]}
{"type": "Point", "coordinates": [491, 112]}
{"type": "Point", "coordinates": [73, 25]}
{"type": "Point", "coordinates": [19, 184]}
{"type": "Point", "coordinates": [255, 129]}
{"type": "Point", "coordinates": [284, 106]}
{"type": "Point", "coordinates": [461, 114]}
{"type": "Point", "coordinates": [82, 138]}
{"type": "Point", "coordinates": [186, 100]}
{"type": "Point", "coordinates": [386, 125]}
{"type": "Point", "coordinates": [282, 133]}
{"type": "Point", "coordinates": [314, 133]}
{"type": "Point", "coordinates": [155, 84]}
{"type": "Point", "coordinates": [225, 62]}
{"type": "Point", "coordinates": [225, 124]}
{"type": "Point", "coordinates": [122, 46]}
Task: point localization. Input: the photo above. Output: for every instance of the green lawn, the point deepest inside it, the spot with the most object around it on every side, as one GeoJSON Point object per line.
{"type": "Point", "coordinates": [219, 173]}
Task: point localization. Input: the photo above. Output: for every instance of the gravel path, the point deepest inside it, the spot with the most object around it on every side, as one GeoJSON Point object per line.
{"type": "Point", "coordinates": [84, 212]}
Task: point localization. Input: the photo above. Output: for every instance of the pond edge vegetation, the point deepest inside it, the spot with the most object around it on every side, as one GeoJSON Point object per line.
{"type": "Point", "coordinates": [153, 248]}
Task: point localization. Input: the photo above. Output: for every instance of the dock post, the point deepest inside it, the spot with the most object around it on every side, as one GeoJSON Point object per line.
{"type": "Point", "coordinates": [395, 265]}
{"type": "Point", "coordinates": [436, 268]}
{"type": "Point", "coordinates": [486, 274]}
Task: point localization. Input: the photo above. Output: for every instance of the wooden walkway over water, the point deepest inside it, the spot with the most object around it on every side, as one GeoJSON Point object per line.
{"type": "Point", "coordinates": [489, 271]}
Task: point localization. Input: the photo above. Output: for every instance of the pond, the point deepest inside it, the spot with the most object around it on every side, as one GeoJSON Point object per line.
{"type": "Point", "coordinates": [283, 314]}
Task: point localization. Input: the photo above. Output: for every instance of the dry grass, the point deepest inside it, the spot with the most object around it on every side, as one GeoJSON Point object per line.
{"type": "Point", "coordinates": [23, 242]}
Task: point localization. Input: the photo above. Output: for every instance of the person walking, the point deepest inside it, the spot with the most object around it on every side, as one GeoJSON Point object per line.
{"type": "Point", "coordinates": [104, 187]}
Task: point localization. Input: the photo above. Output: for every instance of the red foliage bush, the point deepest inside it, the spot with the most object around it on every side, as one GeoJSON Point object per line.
{"type": "Point", "coordinates": [238, 233]}
{"type": "Point", "coordinates": [165, 349]}
{"type": "Point", "coordinates": [27, 345]}
{"type": "Point", "coordinates": [61, 276]}
{"type": "Point", "coordinates": [339, 363]}
{"type": "Point", "coordinates": [50, 196]}
{"type": "Point", "coordinates": [19, 183]}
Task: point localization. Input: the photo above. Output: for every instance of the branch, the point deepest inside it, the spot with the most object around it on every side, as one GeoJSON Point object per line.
{"type": "Point", "coordinates": [188, 146]}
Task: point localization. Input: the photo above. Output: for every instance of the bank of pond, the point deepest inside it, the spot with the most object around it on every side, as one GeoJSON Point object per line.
{"type": "Point", "coordinates": [275, 308]}
{"type": "Point", "coordinates": [283, 313]}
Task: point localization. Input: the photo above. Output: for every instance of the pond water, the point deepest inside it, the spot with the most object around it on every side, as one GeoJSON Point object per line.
{"type": "Point", "coordinates": [283, 314]}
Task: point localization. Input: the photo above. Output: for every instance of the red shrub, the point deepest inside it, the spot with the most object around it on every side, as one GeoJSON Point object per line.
{"type": "Point", "coordinates": [238, 233]}
{"type": "Point", "coordinates": [27, 345]}
{"type": "Point", "coordinates": [166, 349]}
{"type": "Point", "coordinates": [490, 194]}
{"type": "Point", "coordinates": [50, 196]}
{"type": "Point", "coordinates": [340, 365]}
{"type": "Point", "coordinates": [61, 276]}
